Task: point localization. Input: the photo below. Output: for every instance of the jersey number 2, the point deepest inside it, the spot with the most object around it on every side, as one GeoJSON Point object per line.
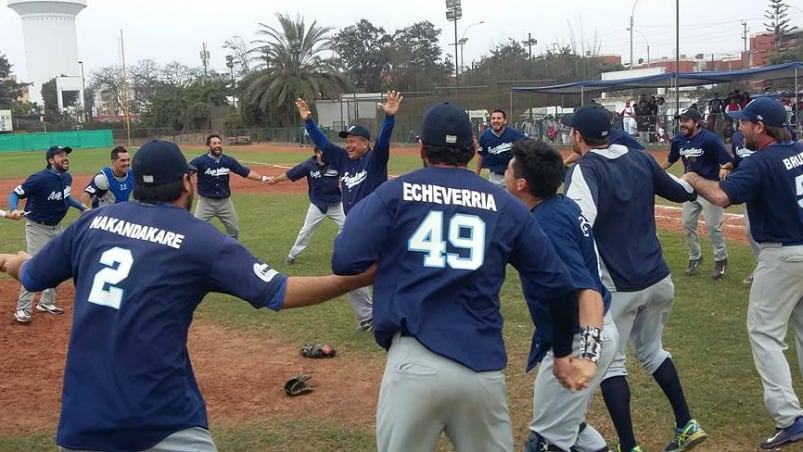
{"type": "Point", "coordinates": [118, 262]}
{"type": "Point", "coordinates": [464, 231]}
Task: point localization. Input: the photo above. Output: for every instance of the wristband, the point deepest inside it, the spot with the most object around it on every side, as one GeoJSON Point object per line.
{"type": "Point", "coordinates": [591, 343]}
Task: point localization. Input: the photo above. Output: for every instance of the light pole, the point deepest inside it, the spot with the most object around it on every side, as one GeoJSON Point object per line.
{"type": "Point", "coordinates": [230, 65]}
{"type": "Point", "coordinates": [632, 11]}
{"type": "Point", "coordinates": [464, 39]}
{"type": "Point", "coordinates": [454, 12]}
{"type": "Point", "coordinates": [83, 90]}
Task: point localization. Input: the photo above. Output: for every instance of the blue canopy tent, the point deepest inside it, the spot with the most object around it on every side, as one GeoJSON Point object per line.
{"type": "Point", "coordinates": [669, 80]}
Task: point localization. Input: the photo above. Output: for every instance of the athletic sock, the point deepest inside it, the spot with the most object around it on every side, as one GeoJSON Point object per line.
{"type": "Point", "coordinates": [616, 393]}
{"type": "Point", "coordinates": [667, 378]}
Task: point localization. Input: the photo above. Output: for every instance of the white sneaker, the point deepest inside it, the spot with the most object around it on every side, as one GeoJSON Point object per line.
{"type": "Point", "coordinates": [23, 316]}
{"type": "Point", "coordinates": [49, 308]}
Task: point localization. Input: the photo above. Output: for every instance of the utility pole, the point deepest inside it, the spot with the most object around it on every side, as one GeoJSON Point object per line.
{"type": "Point", "coordinates": [205, 58]}
{"type": "Point", "coordinates": [530, 42]}
{"type": "Point", "coordinates": [744, 35]}
{"type": "Point", "coordinates": [454, 12]}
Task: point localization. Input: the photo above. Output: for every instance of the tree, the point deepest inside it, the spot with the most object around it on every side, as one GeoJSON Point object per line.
{"type": "Point", "coordinates": [10, 90]}
{"type": "Point", "coordinates": [240, 53]}
{"type": "Point", "coordinates": [778, 21]}
{"type": "Point", "coordinates": [415, 51]}
{"type": "Point", "coordinates": [363, 52]}
{"type": "Point", "coordinates": [297, 67]}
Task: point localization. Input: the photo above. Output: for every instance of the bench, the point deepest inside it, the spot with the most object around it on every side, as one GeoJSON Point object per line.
{"type": "Point", "coordinates": [242, 139]}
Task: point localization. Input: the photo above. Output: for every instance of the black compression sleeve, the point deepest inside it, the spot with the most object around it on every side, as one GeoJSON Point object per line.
{"type": "Point", "coordinates": [563, 309]}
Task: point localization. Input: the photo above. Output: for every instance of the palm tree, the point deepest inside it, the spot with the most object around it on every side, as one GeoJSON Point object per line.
{"type": "Point", "coordinates": [296, 67]}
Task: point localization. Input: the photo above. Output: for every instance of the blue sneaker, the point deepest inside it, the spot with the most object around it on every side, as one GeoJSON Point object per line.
{"type": "Point", "coordinates": [687, 437]}
{"type": "Point", "coordinates": [784, 436]}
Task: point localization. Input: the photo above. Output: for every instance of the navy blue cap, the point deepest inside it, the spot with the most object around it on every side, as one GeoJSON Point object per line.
{"type": "Point", "coordinates": [356, 130]}
{"type": "Point", "coordinates": [592, 121]}
{"type": "Point", "coordinates": [446, 124]}
{"type": "Point", "coordinates": [53, 150]}
{"type": "Point", "coordinates": [690, 113]}
{"type": "Point", "coordinates": [765, 109]}
{"type": "Point", "coordinates": [159, 162]}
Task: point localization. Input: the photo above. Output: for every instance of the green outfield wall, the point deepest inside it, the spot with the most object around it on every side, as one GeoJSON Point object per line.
{"type": "Point", "coordinates": [10, 142]}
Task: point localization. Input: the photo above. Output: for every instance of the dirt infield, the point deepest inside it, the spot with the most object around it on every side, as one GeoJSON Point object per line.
{"type": "Point", "coordinates": [32, 357]}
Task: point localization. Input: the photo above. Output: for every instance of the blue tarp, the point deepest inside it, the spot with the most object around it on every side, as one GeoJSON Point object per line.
{"type": "Point", "coordinates": [667, 80]}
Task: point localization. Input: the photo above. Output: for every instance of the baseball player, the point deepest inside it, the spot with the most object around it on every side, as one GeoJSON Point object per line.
{"type": "Point", "coordinates": [324, 197]}
{"type": "Point", "coordinates": [214, 193]}
{"type": "Point", "coordinates": [113, 183]}
{"type": "Point", "coordinates": [770, 183]}
{"type": "Point", "coordinates": [615, 188]}
{"type": "Point", "coordinates": [362, 170]}
{"type": "Point", "coordinates": [704, 153]}
{"type": "Point", "coordinates": [442, 237]}
{"type": "Point", "coordinates": [495, 143]}
{"type": "Point", "coordinates": [47, 195]}
{"type": "Point", "coordinates": [533, 175]}
{"type": "Point", "coordinates": [140, 269]}
{"type": "Point", "coordinates": [740, 152]}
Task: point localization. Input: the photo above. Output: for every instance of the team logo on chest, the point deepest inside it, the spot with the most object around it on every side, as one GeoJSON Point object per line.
{"type": "Point", "coordinates": [352, 181]}
{"type": "Point", "coordinates": [217, 172]}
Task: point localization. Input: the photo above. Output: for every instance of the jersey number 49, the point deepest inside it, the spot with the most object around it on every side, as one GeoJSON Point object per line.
{"type": "Point", "coordinates": [464, 232]}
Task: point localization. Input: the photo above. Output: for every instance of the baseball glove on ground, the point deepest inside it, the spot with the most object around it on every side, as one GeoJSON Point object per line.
{"type": "Point", "coordinates": [318, 351]}
{"type": "Point", "coordinates": [297, 385]}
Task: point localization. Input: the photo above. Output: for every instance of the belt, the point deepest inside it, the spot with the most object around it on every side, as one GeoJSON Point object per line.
{"type": "Point", "coordinates": [45, 224]}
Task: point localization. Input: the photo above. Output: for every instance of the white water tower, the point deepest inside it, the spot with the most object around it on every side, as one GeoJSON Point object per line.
{"type": "Point", "coordinates": [51, 44]}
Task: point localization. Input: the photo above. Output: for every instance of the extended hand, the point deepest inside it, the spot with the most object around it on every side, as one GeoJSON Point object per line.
{"type": "Point", "coordinates": [391, 106]}
{"type": "Point", "coordinates": [584, 371]}
{"type": "Point", "coordinates": [303, 109]}
{"type": "Point", "coordinates": [11, 263]}
{"type": "Point", "coordinates": [565, 372]}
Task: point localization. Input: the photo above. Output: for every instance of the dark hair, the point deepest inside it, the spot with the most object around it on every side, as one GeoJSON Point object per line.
{"type": "Point", "coordinates": [449, 155]}
{"type": "Point", "coordinates": [781, 134]}
{"type": "Point", "coordinates": [499, 110]}
{"type": "Point", "coordinates": [539, 164]}
{"type": "Point", "coordinates": [212, 135]}
{"type": "Point", "coordinates": [117, 151]}
{"type": "Point", "coordinates": [168, 192]}
{"type": "Point", "coordinates": [594, 142]}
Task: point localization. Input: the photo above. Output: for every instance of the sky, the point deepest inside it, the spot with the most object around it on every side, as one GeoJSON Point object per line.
{"type": "Point", "coordinates": [172, 30]}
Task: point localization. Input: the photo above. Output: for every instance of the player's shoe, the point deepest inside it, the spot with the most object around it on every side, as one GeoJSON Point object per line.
{"type": "Point", "coordinates": [719, 269]}
{"type": "Point", "coordinates": [365, 326]}
{"type": "Point", "coordinates": [290, 260]}
{"type": "Point", "coordinates": [694, 264]}
{"type": "Point", "coordinates": [23, 316]}
{"type": "Point", "coordinates": [784, 436]}
{"type": "Point", "coordinates": [748, 280]}
{"type": "Point", "coordinates": [635, 449]}
{"type": "Point", "coordinates": [687, 437]}
{"type": "Point", "coordinates": [49, 308]}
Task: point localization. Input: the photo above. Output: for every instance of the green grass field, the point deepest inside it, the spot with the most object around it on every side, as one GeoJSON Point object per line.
{"type": "Point", "coordinates": [706, 333]}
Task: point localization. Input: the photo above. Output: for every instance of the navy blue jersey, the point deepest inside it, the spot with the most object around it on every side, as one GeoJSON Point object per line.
{"type": "Point", "coordinates": [703, 153]}
{"type": "Point", "coordinates": [442, 237]}
{"type": "Point", "coordinates": [140, 271]}
{"type": "Point", "coordinates": [771, 183]}
{"type": "Point", "coordinates": [616, 136]}
{"type": "Point", "coordinates": [323, 181]}
{"type": "Point", "coordinates": [571, 234]}
{"type": "Point", "coordinates": [48, 196]}
{"type": "Point", "coordinates": [361, 176]}
{"type": "Point", "coordinates": [213, 175]}
{"type": "Point", "coordinates": [106, 188]}
{"type": "Point", "coordinates": [495, 149]}
{"type": "Point", "coordinates": [616, 188]}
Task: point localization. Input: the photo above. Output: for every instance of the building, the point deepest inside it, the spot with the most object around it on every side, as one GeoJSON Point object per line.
{"type": "Point", "coordinates": [51, 46]}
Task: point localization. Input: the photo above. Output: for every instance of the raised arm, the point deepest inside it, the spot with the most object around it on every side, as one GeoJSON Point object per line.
{"type": "Point", "coordinates": [318, 138]}
{"type": "Point", "coordinates": [390, 107]}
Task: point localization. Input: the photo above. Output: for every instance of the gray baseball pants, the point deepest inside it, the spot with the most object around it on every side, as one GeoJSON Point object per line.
{"type": "Point", "coordinates": [776, 302]}
{"type": "Point", "coordinates": [36, 236]}
{"type": "Point", "coordinates": [424, 394]}
{"type": "Point", "coordinates": [195, 439]}
{"type": "Point", "coordinates": [640, 318]}
{"type": "Point", "coordinates": [558, 412]}
{"type": "Point", "coordinates": [754, 246]}
{"type": "Point", "coordinates": [312, 222]}
{"type": "Point", "coordinates": [223, 209]}
{"type": "Point", "coordinates": [714, 216]}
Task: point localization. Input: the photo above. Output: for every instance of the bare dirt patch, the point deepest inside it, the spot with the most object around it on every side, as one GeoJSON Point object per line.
{"type": "Point", "coordinates": [241, 375]}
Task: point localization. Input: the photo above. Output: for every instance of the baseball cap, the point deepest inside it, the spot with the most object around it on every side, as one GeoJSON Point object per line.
{"type": "Point", "coordinates": [446, 124]}
{"type": "Point", "coordinates": [356, 130]}
{"type": "Point", "coordinates": [159, 162]}
{"type": "Point", "coordinates": [53, 150]}
{"type": "Point", "coordinates": [690, 113]}
{"type": "Point", "coordinates": [592, 121]}
{"type": "Point", "coordinates": [764, 109]}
